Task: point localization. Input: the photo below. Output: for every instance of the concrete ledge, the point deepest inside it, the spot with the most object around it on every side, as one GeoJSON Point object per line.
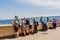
{"type": "Point", "coordinates": [6, 30]}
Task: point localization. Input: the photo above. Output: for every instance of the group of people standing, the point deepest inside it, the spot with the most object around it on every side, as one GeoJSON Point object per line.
{"type": "Point", "coordinates": [24, 25]}
{"type": "Point", "coordinates": [27, 27]}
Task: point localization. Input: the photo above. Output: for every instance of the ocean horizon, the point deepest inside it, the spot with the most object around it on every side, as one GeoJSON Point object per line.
{"type": "Point", "coordinates": [10, 21]}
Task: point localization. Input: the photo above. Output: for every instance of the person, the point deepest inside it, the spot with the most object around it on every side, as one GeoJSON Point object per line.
{"type": "Point", "coordinates": [16, 25]}
{"type": "Point", "coordinates": [27, 21]}
{"type": "Point", "coordinates": [44, 23]}
{"type": "Point", "coordinates": [27, 25]}
{"type": "Point", "coordinates": [54, 23]}
{"type": "Point", "coordinates": [24, 26]}
{"type": "Point", "coordinates": [35, 25]}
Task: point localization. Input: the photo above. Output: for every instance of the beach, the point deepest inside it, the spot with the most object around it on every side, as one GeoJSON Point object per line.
{"type": "Point", "coordinates": [48, 35]}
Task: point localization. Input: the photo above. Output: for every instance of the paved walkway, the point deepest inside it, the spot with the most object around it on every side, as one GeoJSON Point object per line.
{"type": "Point", "coordinates": [48, 35]}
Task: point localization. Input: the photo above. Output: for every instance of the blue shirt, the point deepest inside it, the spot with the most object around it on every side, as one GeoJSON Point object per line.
{"type": "Point", "coordinates": [44, 22]}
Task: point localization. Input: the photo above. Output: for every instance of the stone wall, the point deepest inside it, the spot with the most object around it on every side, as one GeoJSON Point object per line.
{"type": "Point", "coordinates": [9, 29]}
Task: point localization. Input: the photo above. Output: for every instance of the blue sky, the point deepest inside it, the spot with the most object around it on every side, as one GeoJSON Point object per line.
{"type": "Point", "coordinates": [29, 8]}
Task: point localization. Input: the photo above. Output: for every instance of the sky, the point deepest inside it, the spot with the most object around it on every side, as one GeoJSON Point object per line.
{"type": "Point", "coordinates": [29, 8]}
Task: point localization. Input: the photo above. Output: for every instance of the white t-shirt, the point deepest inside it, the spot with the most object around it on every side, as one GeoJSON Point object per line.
{"type": "Point", "coordinates": [24, 21]}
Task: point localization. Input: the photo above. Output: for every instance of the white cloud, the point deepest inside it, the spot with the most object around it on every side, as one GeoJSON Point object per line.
{"type": "Point", "coordinates": [51, 4]}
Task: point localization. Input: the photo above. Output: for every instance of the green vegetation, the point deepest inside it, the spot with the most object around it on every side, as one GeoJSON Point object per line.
{"type": "Point", "coordinates": [47, 19]}
{"type": "Point", "coordinates": [40, 18]}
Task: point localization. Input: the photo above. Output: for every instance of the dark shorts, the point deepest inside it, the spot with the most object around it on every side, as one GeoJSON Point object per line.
{"type": "Point", "coordinates": [30, 26]}
{"type": "Point", "coordinates": [16, 28]}
{"type": "Point", "coordinates": [54, 25]}
{"type": "Point", "coordinates": [44, 27]}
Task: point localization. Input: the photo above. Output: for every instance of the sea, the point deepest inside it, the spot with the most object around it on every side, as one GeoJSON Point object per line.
{"type": "Point", "coordinates": [10, 21]}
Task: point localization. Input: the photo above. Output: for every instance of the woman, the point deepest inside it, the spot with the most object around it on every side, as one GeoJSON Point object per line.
{"type": "Point", "coordinates": [27, 25]}
{"type": "Point", "coordinates": [24, 26]}
{"type": "Point", "coordinates": [16, 25]}
{"type": "Point", "coordinates": [35, 25]}
{"type": "Point", "coordinates": [54, 23]}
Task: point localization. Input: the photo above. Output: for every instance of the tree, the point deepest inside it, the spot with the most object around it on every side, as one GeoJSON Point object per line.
{"type": "Point", "coordinates": [16, 18]}
{"type": "Point", "coordinates": [47, 19]}
{"type": "Point", "coordinates": [41, 19]}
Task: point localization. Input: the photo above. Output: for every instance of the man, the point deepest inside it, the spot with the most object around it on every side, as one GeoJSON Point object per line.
{"type": "Point", "coordinates": [44, 23]}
